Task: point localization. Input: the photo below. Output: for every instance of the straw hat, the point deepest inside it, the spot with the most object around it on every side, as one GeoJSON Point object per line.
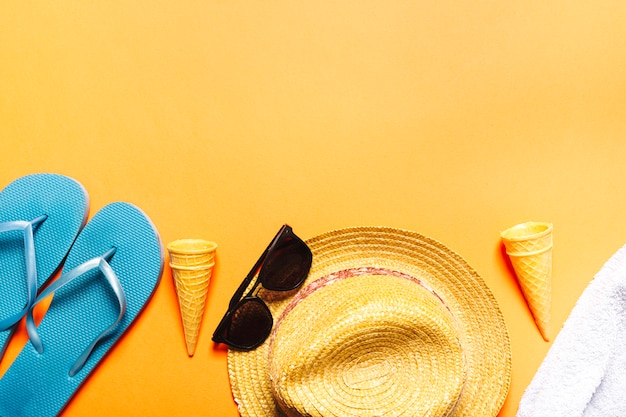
{"type": "Point", "coordinates": [388, 323]}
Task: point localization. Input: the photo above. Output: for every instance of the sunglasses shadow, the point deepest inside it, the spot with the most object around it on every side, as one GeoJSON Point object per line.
{"type": "Point", "coordinates": [219, 347]}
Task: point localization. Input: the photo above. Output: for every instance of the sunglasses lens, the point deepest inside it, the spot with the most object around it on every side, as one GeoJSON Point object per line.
{"type": "Point", "coordinates": [250, 325]}
{"type": "Point", "coordinates": [287, 266]}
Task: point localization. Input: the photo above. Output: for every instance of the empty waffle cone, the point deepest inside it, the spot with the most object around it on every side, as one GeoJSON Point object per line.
{"type": "Point", "coordinates": [192, 262]}
{"type": "Point", "coordinates": [192, 252]}
{"type": "Point", "coordinates": [529, 247]}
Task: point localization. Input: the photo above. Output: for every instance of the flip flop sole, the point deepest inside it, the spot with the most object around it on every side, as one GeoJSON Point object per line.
{"type": "Point", "coordinates": [66, 203]}
{"type": "Point", "coordinates": [39, 385]}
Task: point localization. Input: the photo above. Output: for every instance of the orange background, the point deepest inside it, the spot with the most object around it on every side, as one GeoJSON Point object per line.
{"type": "Point", "coordinates": [225, 119]}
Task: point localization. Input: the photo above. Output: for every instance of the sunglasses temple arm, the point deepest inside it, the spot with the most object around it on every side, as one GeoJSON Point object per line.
{"type": "Point", "coordinates": [217, 334]}
{"type": "Point", "coordinates": [239, 293]}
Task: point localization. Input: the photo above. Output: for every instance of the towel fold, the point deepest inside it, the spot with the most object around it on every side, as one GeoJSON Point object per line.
{"type": "Point", "coordinates": [584, 372]}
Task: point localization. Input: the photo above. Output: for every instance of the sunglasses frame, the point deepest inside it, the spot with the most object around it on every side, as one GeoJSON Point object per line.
{"type": "Point", "coordinates": [239, 299]}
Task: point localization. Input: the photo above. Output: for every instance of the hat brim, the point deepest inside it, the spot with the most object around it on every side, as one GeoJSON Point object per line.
{"type": "Point", "coordinates": [482, 326]}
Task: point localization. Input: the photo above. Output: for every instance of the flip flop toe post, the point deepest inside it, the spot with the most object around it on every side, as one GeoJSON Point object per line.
{"type": "Point", "coordinates": [108, 278]}
{"type": "Point", "coordinates": [40, 217]}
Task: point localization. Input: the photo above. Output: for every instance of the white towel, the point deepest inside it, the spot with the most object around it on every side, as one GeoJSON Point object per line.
{"type": "Point", "coordinates": [584, 372]}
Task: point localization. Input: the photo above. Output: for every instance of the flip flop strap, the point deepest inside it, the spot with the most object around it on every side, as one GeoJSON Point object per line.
{"type": "Point", "coordinates": [26, 227]}
{"type": "Point", "coordinates": [102, 264]}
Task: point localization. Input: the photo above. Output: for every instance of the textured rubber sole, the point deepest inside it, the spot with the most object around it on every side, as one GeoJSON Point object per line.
{"type": "Point", "coordinates": [66, 204]}
{"type": "Point", "coordinates": [38, 385]}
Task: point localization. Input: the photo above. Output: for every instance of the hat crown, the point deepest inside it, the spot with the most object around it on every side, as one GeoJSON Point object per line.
{"type": "Point", "coordinates": [368, 373]}
{"type": "Point", "coordinates": [455, 286]}
{"type": "Point", "coordinates": [367, 343]}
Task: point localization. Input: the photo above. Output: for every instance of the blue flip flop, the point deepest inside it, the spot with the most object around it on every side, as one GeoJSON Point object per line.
{"type": "Point", "coordinates": [40, 217]}
{"type": "Point", "coordinates": [109, 275]}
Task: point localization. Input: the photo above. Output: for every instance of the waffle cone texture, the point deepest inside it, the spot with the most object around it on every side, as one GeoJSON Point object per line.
{"type": "Point", "coordinates": [389, 322]}
{"type": "Point", "coordinates": [192, 262]}
{"type": "Point", "coordinates": [529, 247]}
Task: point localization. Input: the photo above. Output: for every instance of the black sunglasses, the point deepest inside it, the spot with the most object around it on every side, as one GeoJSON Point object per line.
{"type": "Point", "coordinates": [283, 266]}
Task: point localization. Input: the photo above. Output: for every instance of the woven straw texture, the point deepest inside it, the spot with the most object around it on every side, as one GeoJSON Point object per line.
{"type": "Point", "coordinates": [382, 345]}
{"type": "Point", "coordinates": [474, 371]}
{"type": "Point", "coordinates": [529, 246]}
